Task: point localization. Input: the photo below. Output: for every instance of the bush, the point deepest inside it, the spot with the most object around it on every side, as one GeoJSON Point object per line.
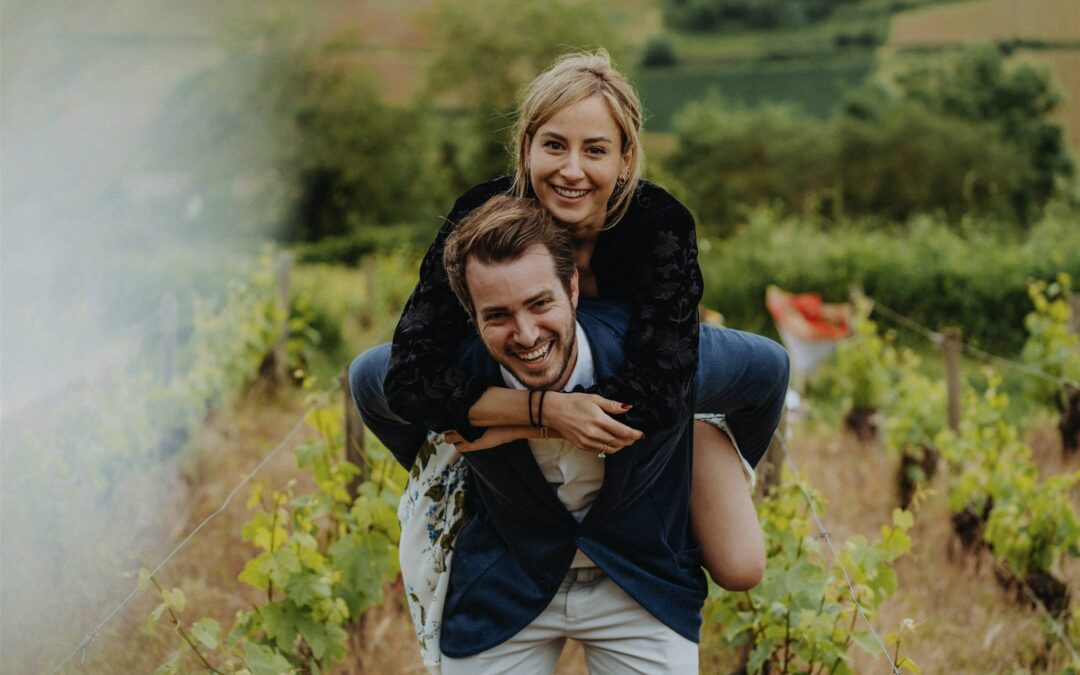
{"type": "Point", "coordinates": [658, 53]}
{"type": "Point", "coordinates": [965, 137]}
{"type": "Point", "coordinates": [730, 156]}
{"type": "Point", "coordinates": [925, 270]}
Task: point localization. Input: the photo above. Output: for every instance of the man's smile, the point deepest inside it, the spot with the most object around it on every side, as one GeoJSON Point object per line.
{"type": "Point", "coordinates": [537, 354]}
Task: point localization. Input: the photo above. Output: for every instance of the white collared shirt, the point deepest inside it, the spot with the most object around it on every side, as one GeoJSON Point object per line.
{"type": "Point", "coordinates": [576, 475]}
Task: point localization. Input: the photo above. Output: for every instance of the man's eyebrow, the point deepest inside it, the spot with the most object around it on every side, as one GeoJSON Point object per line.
{"type": "Point", "coordinates": [594, 139]}
{"type": "Point", "coordinates": [542, 295]}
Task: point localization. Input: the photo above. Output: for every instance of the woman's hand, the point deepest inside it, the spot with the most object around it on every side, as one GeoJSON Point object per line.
{"type": "Point", "coordinates": [586, 421]}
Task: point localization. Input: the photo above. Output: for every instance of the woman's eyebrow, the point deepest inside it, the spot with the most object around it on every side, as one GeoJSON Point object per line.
{"type": "Point", "coordinates": [594, 139]}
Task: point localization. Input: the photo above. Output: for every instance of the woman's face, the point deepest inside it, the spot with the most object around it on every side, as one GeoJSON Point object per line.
{"type": "Point", "coordinates": [574, 160]}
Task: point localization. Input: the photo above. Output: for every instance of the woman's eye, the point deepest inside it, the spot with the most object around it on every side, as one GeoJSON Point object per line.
{"type": "Point", "coordinates": [596, 150]}
{"type": "Point", "coordinates": [553, 145]}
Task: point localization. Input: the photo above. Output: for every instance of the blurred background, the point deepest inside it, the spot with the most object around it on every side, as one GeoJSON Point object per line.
{"type": "Point", "coordinates": [209, 207]}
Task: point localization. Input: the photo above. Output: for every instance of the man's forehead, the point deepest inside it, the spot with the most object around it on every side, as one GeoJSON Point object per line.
{"type": "Point", "coordinates": [516, 280]}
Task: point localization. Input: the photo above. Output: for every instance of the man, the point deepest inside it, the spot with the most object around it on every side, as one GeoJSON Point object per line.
{"type": "Point", "coordinates": [561, 542]}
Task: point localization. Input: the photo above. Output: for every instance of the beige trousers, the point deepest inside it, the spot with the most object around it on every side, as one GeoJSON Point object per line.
{"type": "Point", "coordinates": [618, 634]}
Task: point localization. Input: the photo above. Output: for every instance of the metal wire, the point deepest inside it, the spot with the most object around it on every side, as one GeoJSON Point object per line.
{"type": "Point", "coordinates": [89, 637]}
{"type": "Point", "coordinates": [938, 339]}
{"type": "Point", "coordinates": [835, 556]}
{"type": "Point", "coordinates": [1055, 627]}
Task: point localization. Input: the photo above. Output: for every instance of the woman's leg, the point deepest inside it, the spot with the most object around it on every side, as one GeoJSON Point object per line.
{"type": "Point", "coordinates": [366, 375]}
{"type": "Point", "coordinates": [744, 377]}
{"type": "Point", "coordinates": [722, 512]}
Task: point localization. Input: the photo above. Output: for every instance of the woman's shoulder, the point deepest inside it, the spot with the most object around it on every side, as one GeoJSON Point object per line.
{"type": "Point", "coordinates": [652, 201]}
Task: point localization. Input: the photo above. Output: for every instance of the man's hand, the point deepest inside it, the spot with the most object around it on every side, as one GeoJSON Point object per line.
{"type": "Point", "coordinates": [496, 436]}
{"type": "Point", "coordinates": [586, 421]}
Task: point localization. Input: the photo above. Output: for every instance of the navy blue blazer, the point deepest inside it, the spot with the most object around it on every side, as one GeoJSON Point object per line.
{"type": "Point", "coordinates": [519, 540]}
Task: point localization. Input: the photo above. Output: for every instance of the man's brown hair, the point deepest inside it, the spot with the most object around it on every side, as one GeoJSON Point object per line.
{"type": "Point", "coordinates": [500, 231]}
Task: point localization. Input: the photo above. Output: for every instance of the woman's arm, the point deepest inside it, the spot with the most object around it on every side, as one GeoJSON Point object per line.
{"type": "Point", "coordinates": [656, 257]}
{"type": "Point", "coordinates": [422, 383]}
{"type": "Point", "coordinates": [583, 419]}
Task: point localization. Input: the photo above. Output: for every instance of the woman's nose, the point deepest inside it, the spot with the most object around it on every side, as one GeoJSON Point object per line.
{"type": "Point", "coordinates": [571, 169]}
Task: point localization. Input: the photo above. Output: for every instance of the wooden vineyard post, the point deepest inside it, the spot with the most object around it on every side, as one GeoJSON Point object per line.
{"type": "Point", "coordinates": [168, 337]}
{"type": "Point", "coordinates": [952, 374]}
{"type": "Point", "coordinates": [774, 459]}
{"type": "Point", "coordinates": [354, 435]}
{"type": "Point", "coordinates": [283, 267]}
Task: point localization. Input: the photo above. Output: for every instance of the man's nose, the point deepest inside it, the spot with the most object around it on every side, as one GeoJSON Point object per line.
{"type": "Point", "coordinates": [526, 332]}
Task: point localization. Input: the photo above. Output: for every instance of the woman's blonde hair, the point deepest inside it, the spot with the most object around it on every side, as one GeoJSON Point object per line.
{"type": "Point", "coordinates": [572, 79]}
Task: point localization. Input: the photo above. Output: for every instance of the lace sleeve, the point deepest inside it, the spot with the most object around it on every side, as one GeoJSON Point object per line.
{"type": "Point", "coordinates": [661, 348]}
{"type": "Point", "coordinates": [422, 384]}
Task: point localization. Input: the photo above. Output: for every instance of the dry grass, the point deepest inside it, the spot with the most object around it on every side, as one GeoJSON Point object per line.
{"type": "Point", "coordinates": [966, 622]}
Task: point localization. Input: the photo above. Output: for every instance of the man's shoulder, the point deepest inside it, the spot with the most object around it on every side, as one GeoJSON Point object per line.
{"type": "Point", "coordinates": [603, 315]}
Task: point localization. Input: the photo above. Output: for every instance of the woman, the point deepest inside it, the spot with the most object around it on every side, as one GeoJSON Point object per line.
{"type": "Point", "coordinates": [578, 152]}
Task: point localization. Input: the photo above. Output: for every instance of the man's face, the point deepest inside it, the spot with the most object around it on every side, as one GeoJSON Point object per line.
{"type": "Point", "coordinates": [525, 317]}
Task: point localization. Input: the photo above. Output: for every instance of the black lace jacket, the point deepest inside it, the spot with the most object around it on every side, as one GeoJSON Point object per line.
{"type": "Point", "coordinates": [649, 260]}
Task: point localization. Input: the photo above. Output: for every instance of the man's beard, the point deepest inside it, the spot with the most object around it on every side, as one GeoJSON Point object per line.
{"type": "Point", "coordinates": [568, 353]}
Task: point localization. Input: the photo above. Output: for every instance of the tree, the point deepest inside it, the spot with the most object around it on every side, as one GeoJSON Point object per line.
{"type": "Point", "coordinates": [1016, 101]}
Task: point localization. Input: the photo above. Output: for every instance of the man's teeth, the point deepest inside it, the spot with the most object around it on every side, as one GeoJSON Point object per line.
{"type": "Point", "coordinates": [570, 194]}
{"type": "Point", "coordinates": [538, 353]}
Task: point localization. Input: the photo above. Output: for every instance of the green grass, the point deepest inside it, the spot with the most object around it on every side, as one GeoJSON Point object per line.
{"type": "Point", "coordinates": [815, 39]}
{"type": "Point", "coordinates": [813, 85]}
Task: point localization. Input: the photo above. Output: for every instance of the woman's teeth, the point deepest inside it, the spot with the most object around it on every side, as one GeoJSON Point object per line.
{"type": "Point", "coordinates": [569, 194]}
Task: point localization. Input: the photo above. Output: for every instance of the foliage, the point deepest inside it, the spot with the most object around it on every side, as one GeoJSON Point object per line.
{"type": "Point", "coordinates": [658, 53]}
{"type": "Point", "coordinates": [731, 155]}
{"type": "Point", "coordinates": [233, 342]}
{"type": "Point", "coordinates": [862, 372]}
{"type": "Point", "coordinates": [811, 86]}
{"type": "Point", "coordinates": [916, 412]}
{"type": "Point", "coordinates": [323, 558]}
{"type": "Point", "coordinates": [484, 52]}
{"type": "Point", "coordinates": [801, 616]}
{"type": "Point", "coordinates": [283, 138]}
{"type": "Point", "coordinates": [354, 307]}
{"type": "Point", "coordinates": [1015, 101]}
{"type": "Point", "coordinates": [708, 15]}
{"type": "Point", "coordinates": [1030, 523]}
{"type": "Point", "coordinates": [925, 270]}
{"type": "Point", "coordinates": [966, 136]}
{"type": "Point", "coordinates": [1052, 346]}
{"type": "Point", "coordinates": [903, 159]}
